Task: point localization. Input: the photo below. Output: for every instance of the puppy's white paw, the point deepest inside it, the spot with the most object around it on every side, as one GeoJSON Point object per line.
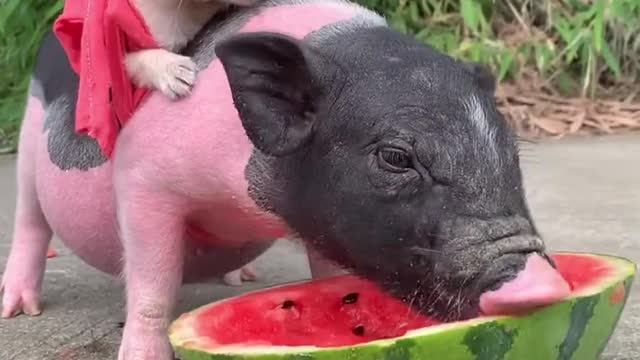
{"type": "Point", "coordinates": [178, 77]}
{"type": "Point", "coordinates": [172, 74]}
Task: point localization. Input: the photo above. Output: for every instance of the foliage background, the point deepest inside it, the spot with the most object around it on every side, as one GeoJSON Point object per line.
{"type": "Point", "coordinates": [554, 57]}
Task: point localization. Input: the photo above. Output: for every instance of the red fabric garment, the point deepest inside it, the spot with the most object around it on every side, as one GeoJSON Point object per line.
{"type": "Point", "coordinates": [96, 35]}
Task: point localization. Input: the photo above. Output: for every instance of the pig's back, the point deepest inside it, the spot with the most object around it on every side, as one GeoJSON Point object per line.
{"type": "Point", "coordinates": [199, 141]}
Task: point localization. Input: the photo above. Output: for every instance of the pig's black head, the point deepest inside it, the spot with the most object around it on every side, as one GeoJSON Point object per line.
{"type": "Point", "coordinates": [390, 157]}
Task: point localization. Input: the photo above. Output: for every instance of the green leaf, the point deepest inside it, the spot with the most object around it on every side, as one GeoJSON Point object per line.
{"type": "Point", "coordinates": [544, 56]}
{"type": "Point", "coordinates": [506, 64]}
{"type": "Point", "coordinates": [8, 10]}
{"type": "Point", "coordinates": [484, 24]}
{"type": "Point", "coordinates": [611, 60]}
{"type": "Point", "coordinates": [470, 14]}
{"type": "Point", "coordinates": [584, 16]}
{"type": "Point", "coordinates": [398, 23]}
{"type": "Point", "coordinates": [598, 25]}
{"type": "Point", "coordinates": [54, 11]}
{"type": "Point", "coordinates": [525, 50]}
{"type": "Point", "coordinates": [414, 13]}
{"type": "Point", "coordinates": [477, 51]}
{"type": "Point", "coordinates": [619, 9]}
{"type": "Point", "coordinates": [563, 28]}
{"type": "Point", "coordinates": [576, 44]}
{"type": "Point", "coordinates": [576, 4]}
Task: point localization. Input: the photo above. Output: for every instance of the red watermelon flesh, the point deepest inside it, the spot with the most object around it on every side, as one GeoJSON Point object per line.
{"type": "Point", "coordinates": [581, 271]}
{"type": "Point", "coordinates": [341, 311]}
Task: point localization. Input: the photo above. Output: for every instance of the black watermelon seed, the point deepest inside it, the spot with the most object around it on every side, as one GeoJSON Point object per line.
{"type": "Point", "coordinates": [350, 299]}
{"type": "Point", "coordinates": [288, 304]}
{"type": "Point", "coordinates": [358, 330]}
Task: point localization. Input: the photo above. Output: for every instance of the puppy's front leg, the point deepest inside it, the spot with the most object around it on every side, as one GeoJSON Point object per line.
{"type": "Point", "coordinates": [174, 75]}
{"type": "Point", "coordinates": [152, 235]}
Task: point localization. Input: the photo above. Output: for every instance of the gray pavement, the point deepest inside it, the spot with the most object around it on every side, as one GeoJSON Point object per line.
{"type": "Point", "coordinates": [584, 194]}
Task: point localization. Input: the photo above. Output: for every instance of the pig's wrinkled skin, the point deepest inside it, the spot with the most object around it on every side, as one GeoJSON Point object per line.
{"type": "Point", "coordinates": [386, 156]}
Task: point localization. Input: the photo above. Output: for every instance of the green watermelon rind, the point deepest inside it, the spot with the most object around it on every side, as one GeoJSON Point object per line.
{"type": "Point", "coordinates": [576, 329]}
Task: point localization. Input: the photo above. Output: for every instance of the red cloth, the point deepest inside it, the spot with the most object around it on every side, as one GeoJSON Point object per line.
{"type": "Point", "coordinates": [96, 35]}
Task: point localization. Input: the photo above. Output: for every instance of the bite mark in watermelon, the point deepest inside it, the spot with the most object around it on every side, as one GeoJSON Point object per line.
{"type": "Point", "coordinates": [352, 319]}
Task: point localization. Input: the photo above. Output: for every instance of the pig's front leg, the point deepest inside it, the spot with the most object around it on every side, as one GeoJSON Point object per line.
{"type": "Point", "coordinates": [236, 277]}
{"type": "Point", "coordinates": [321, 267]}
{"type": "Point", "coordinates": [152, 235]}
{"type": "Point", "coordinates": [22, 278]}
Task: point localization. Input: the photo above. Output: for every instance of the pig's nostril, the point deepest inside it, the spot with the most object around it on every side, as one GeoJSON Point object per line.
{"type": "Point", "coordinates": [288, 304]}
{"type": "Point", "coordinates": [350, 299]}
{"type": "Point", "coordinates": [358, 330]}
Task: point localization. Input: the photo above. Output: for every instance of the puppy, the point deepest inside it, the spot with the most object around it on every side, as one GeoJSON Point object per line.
{"type": "Point", "coordinates": [173, 23]}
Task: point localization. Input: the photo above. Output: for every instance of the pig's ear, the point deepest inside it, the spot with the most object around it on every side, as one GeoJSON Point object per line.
{"type": "Point", "coordinates": [484, 76]}
{"type": "Point", "coordinates": [273, 89]}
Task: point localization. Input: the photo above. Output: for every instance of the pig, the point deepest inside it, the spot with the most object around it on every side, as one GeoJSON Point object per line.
{"type": "Point", "coordinates": [311, 119]}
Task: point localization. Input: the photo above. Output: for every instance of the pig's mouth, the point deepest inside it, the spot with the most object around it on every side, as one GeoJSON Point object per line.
{"type": "Point", "coordinates": [537, 284]}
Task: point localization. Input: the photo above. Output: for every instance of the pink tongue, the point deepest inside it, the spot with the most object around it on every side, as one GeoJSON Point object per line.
{"type": "Point", "coordinates": [538, 284]}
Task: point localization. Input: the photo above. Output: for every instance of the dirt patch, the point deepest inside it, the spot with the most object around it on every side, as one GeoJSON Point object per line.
{"type": "Point", "coordinates": [97, 348]}
{"type": "Point", "coordinates": [536, 111]}
{"type": "Point", "coordinates": [532, 104]}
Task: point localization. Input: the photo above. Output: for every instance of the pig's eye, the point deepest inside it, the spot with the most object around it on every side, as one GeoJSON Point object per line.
{"type": "Point", "coordinates": [394, 159]}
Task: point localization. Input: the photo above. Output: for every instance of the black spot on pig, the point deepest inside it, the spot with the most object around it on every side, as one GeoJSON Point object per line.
{"type": "Point", "coordinates": [55, 84]}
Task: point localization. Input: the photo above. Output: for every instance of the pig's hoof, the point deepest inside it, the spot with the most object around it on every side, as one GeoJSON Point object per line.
{"type": "Point", "coordinates": [18, 299]}
{"type": "Point", "coordinates": [237, 277]}
{"type": "Point", "coordinates": [144, 345]}
{"type": "Point", "coordinates": [248, 273]}
{"type": "Point", "coordinates": [178, 77]}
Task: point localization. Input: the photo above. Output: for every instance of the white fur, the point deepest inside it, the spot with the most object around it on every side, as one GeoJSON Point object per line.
{"type": "Point", "coordinates": [479, 119]}
{"type": "Point", "coordinates": [173, 23]}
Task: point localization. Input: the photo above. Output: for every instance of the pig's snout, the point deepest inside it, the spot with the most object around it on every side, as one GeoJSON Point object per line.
{"type": "Point", "coordinates": [538, 284]}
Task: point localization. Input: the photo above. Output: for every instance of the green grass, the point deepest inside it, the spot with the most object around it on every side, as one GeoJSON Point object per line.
{"type": "Point", "coordinates": [22, 24]}
{"type": "Point", "coordinates": [576, 46]}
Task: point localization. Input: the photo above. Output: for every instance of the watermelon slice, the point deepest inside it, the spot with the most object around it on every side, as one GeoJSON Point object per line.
{"type": "Point", "coordinates": [351, 319]}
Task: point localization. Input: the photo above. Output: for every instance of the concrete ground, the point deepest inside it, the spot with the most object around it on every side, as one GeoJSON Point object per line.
{"type": "Point", "coordinates": [584, 193]}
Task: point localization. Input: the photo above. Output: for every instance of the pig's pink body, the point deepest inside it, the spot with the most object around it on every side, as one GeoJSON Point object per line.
{"type": "Point", "coordinates": [195, 149]}
{"type": "Point", "coordinates": [78, 205]}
